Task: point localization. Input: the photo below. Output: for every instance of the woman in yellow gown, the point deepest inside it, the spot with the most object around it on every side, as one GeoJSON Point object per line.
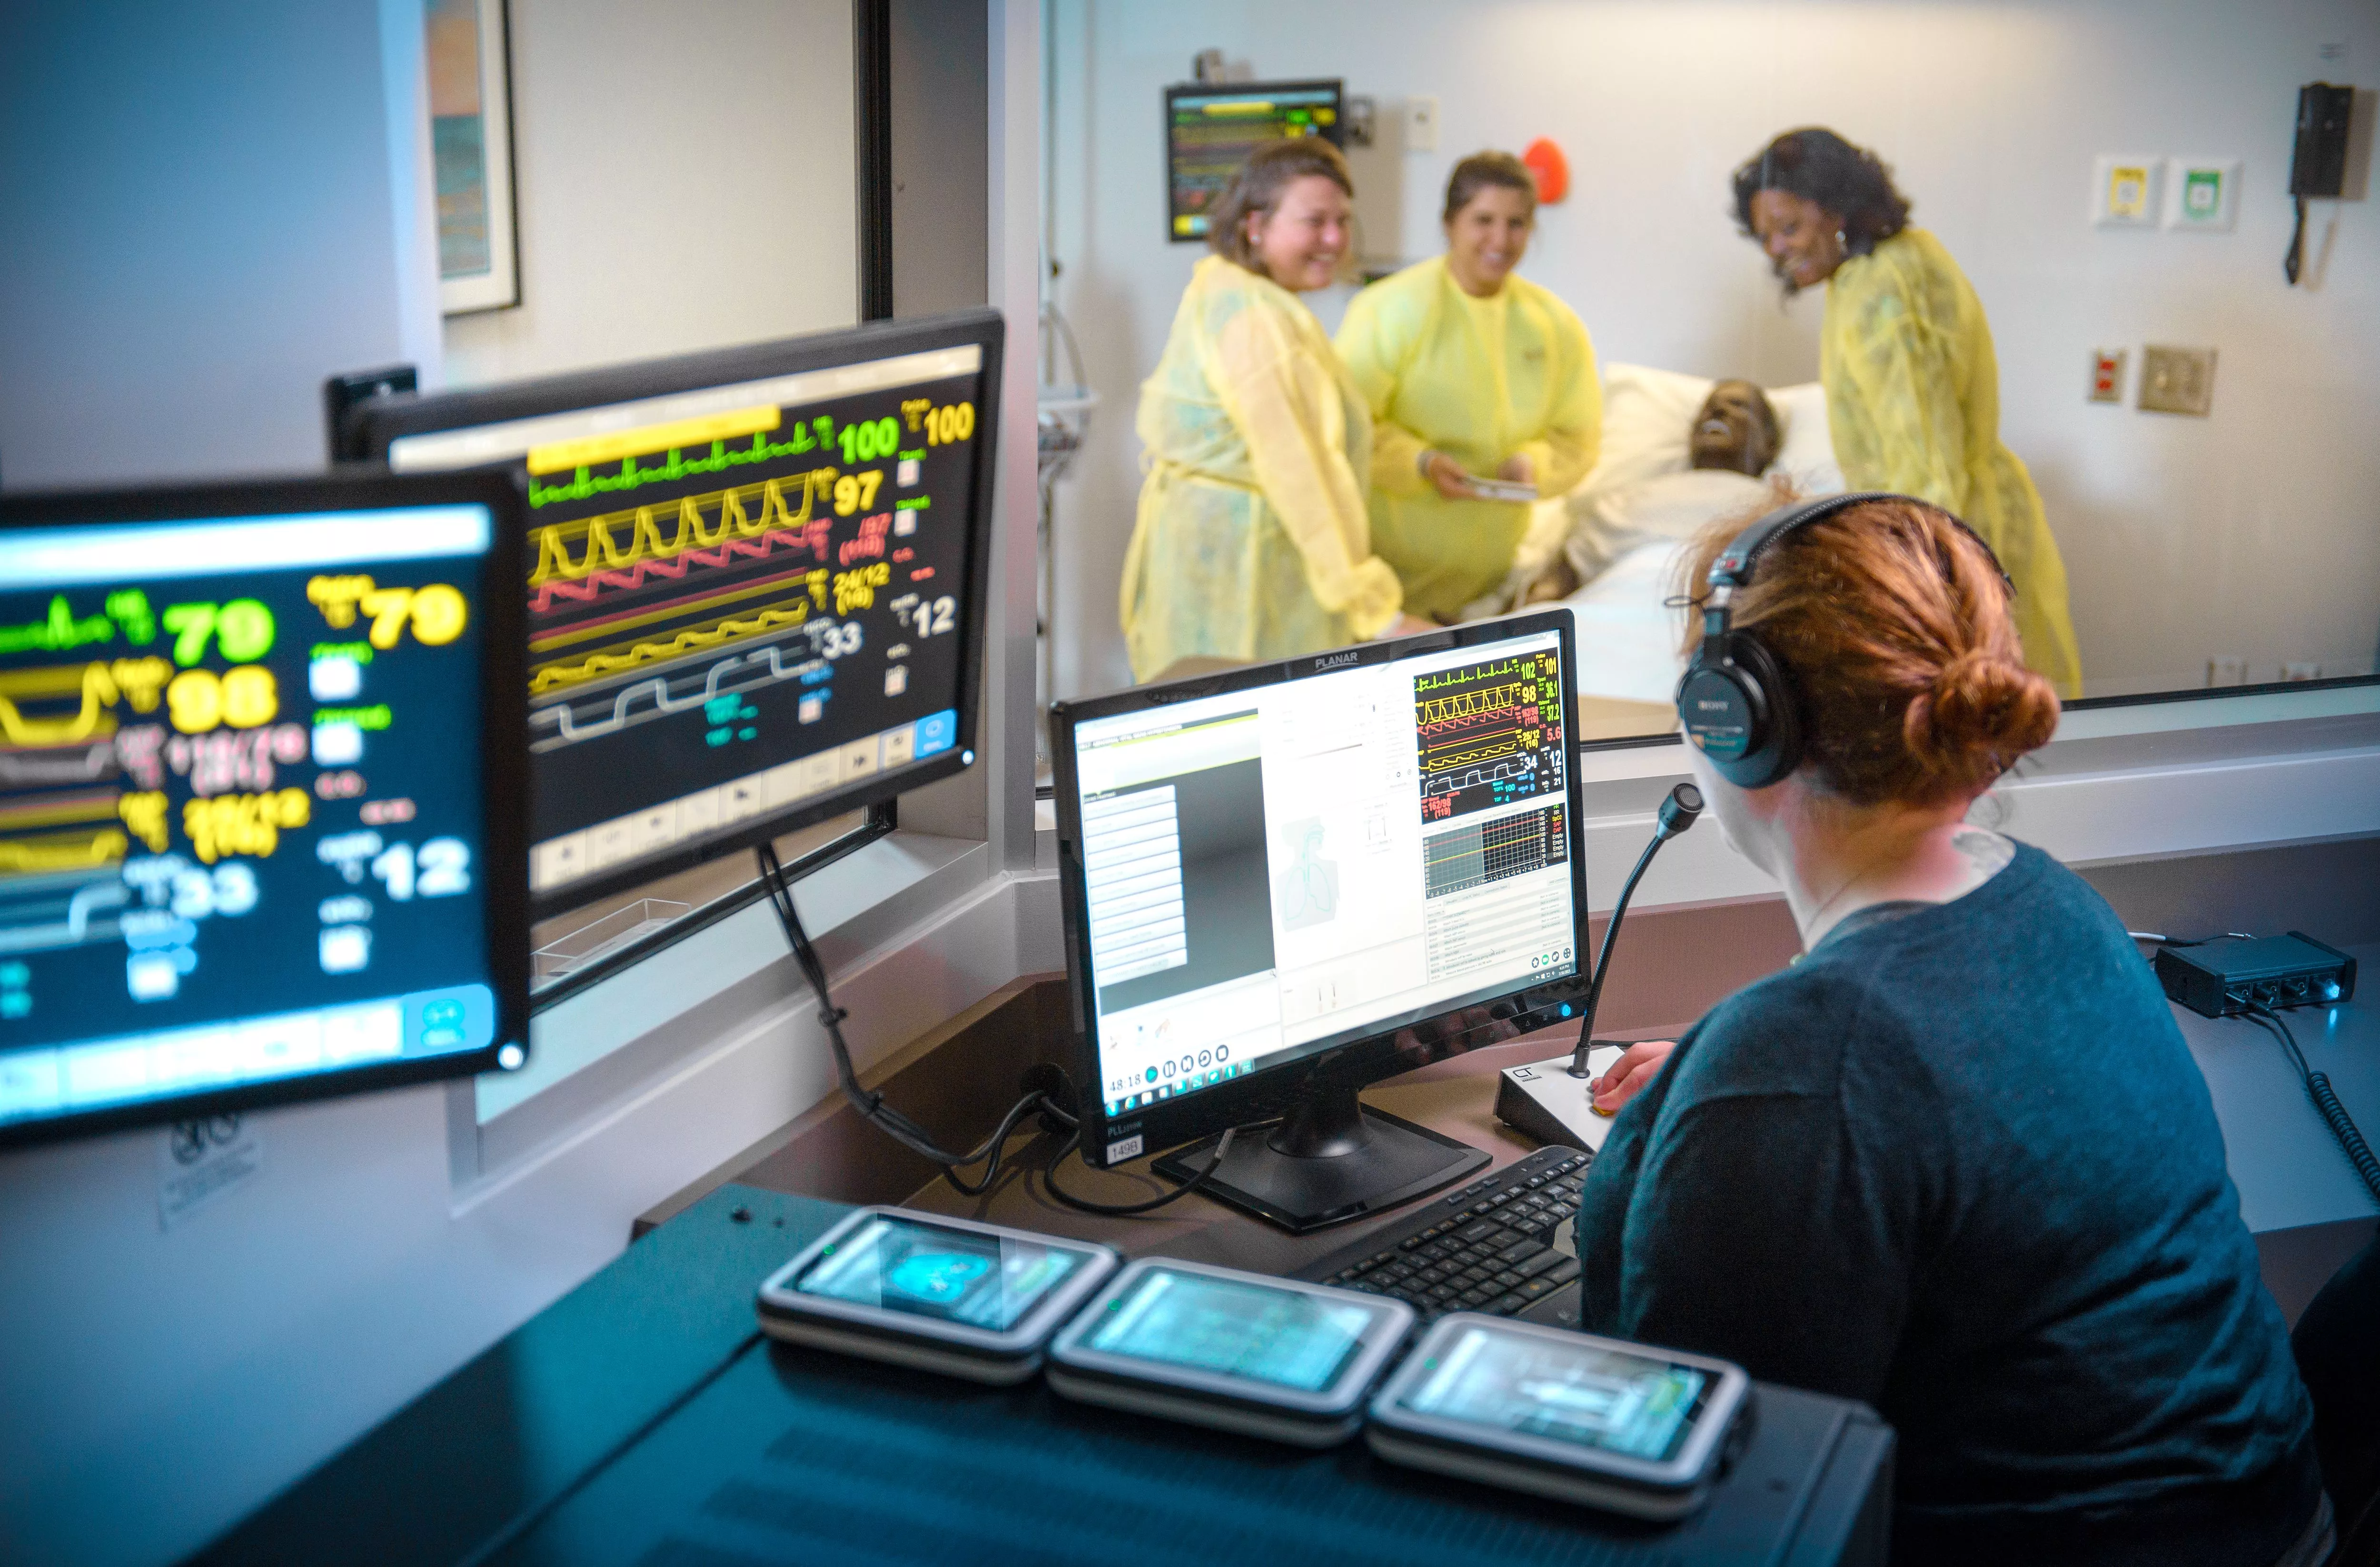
{"type": "Point", "coordinates": [1912, 388]}
{"type": "Point", "coordinates": [1469, 369]}
{"type": "Point", "coordinates": [1251, 541]}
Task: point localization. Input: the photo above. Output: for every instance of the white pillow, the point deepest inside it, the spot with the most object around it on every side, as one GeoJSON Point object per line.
{"type": "Point", "coordinates": [1807, 456]}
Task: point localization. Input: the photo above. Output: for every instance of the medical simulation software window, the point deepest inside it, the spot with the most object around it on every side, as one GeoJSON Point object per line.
{"type": "Point", "coordinates": [1276, 871]}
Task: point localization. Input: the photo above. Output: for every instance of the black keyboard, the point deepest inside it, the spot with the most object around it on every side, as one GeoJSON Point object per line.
{"type": "Point", "coordinates": [1502, 1245]}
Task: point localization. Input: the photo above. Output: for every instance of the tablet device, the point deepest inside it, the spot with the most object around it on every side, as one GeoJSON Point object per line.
{"type": "Point", "coordinates": [1240, 1352]}
{"type": "Point", "coordinates": [1619, 1426]}
{"type": "Point", "coordinates": [1501, 490]}
{"type": "Point", "coordinates": [948, 1294]}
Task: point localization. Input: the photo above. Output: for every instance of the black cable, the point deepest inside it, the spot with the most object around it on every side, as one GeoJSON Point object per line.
{"type": "Point", "coordinates": [2325, 1099]}
{"type": "Point", "coordinates": [2291, 263]}
{"type": "Point", "coordinates": [869, 1104]}
{"type": "Point", "coordinates": [2191, 941]}
{"type": "Point", "coordinates": [1084, 1205]}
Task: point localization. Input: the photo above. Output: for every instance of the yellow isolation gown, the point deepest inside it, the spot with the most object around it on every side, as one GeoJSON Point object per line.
{"type": "Point", "coordinates": [1251, 541]}
{"type": "Point", "coordinates": [1478, 381]}
{"type": "Point", "coordinates": [1913, 400]}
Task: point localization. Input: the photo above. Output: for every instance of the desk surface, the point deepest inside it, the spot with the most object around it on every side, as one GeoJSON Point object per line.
{"type": "Point", "coordinates": [643, 1419]}
{"type": "Point", "coordinates": [2290, 1170]}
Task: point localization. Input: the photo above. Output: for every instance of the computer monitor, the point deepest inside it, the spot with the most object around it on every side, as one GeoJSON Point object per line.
{"type": "Point", "coordinates": [755, 582]}
{"type": "Point", "coordinates": [1211, 130]}
{"type": "Point", "coordinates": [259, 754]}
{"type": "Point", "coordinates": [1284, 882]}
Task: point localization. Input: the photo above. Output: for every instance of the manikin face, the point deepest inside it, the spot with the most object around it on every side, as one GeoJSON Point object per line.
{"type": "Point", "coordinates": [1300, 241]}
{"type": "Point", "coordinates": [1730, 431]}
{"type": "Point", "coordinates": [1488, 237]}
{"type": "Point", "coordinates": [1799, 235]}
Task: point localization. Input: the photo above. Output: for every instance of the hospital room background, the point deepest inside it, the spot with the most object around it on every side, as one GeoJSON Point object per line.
{"type": "Point", "coordinates": [2240, 546]}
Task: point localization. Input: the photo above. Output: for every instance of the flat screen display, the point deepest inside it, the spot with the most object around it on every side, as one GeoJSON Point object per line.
{"type": "Point", "coordinates": [750, 599]}
{"type": "Point", "coordinates": [243, 837]}
{"type": "Point", "coordinates": [951, 1275]}
{"type": "Point", "coordinates": [1232, 1327]}
{"type": "Point", "coordinates": [1272, 871]}
{"type": "Point", "coordinates": [1635, 1405]}
{"type": "Point", "coordinates": [1210, 131]}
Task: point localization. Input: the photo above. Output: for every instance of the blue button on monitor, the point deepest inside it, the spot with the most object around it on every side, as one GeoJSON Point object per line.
{"type": "Point", "coordinates": [937, 732]}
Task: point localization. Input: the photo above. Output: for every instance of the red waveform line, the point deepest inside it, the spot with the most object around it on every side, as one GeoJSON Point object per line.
{"type": "Point", "coordinates": [585, 588]}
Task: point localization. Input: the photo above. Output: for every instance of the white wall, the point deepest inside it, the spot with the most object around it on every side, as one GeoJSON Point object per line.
{"type": "Point", "coordinates": [684, 178]}
{"type": "Point", "coordinates": [203, 210]}
{"type": "Point", "coordinates": [2255, 533]}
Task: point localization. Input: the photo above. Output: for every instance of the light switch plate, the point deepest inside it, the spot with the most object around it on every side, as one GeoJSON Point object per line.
{"type": "Point", "coordinates": [2124, 191]}
{"type": "Point", "coordinates": [2176, 381]}
{"type": "Point", "coordinates": [1421, 125]}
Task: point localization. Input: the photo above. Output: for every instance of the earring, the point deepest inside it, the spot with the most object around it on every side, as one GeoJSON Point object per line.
{"type": "Point", "coordinates": [1842, 243]}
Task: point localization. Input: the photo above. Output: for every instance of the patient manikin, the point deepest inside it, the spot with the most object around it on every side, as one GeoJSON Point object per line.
{"type": "Point", "coordinates": [1733, 438]}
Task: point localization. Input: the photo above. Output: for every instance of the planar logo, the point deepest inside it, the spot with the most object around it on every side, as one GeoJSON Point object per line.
{"type": "Point", "coordinates": [1336, 661]}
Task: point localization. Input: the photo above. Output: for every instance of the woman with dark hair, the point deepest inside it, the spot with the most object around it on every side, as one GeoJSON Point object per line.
{"type": "Point", "coordinates": [1956, 1162]}
{"type": "Point", "coordinates": [1912, 388]}
{"type": "Point", "coordinates": [1469, 368]}
{"type": "Point", "coordinates": [1251, 542]}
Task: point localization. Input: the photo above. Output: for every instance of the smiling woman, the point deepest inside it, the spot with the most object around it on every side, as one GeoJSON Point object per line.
{"type": "Point", "coordinates": [1471, 373]}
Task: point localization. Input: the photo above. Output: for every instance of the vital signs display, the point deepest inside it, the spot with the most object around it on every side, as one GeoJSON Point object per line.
{"type": "Point", "coordinates": [245, 837]}
{"type": "Point", "coordinates": [751, 584]}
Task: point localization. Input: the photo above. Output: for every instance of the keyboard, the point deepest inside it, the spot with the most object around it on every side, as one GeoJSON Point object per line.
{"type": "Point", "coordinates": [1504, 1244]}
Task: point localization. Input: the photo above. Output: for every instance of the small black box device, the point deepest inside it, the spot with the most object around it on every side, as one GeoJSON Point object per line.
{"type": "Point", "coordinates": [2318, 165]}
{"type": "Point", "coordinates": [2225, 979]}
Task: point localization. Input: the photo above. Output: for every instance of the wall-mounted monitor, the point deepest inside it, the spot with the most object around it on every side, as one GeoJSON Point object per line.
{"type": "Point", "coordinates": [1211, 130]}
{"type": "Point", "coordinates": [755, 583]}
{"type": "Point", "coordinates": [260, 766]}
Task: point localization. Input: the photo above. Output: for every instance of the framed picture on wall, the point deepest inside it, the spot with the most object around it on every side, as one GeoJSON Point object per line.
{"type": "Point", "coordinates": [471, 145]}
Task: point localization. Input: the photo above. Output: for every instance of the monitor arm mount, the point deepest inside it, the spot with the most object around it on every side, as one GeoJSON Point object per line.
{"type": "Point", "coordinates": [1549, 1099]}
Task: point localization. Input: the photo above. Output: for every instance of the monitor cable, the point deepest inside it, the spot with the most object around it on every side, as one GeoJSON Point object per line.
{"type": "Point", "coordinates": [1678, 812]}
{"type": "Point", "coordinates": [2325, 1099]}
{"type": "Point", "coordinates": [1084, 1205]}
{"type": "Point", "coordinates": [867, 1102]}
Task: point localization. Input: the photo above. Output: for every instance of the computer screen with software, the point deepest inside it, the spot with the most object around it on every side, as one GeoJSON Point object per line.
{"type": "Point", "coordinates": [1322, 854]}
{"type": "Point", "coordinates": [755, 582]}
{"type": "Point", "coordinates": [258, 748]}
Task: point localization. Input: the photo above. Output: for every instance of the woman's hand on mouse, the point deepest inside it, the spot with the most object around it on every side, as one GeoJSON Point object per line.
{"type": "Point", "coordinates": [1637, 1065]}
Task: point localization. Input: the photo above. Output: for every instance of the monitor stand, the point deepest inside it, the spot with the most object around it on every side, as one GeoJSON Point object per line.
{"type": "Point", "coordinates": [1329, 1161]}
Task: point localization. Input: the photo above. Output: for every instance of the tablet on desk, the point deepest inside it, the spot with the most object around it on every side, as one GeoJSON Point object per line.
{"type": "Point", "coordinates": [1635, 1429]}
{"type": "Point", "coordinates": [948, 1294]}
{"type": "Point", "coordinates": [1240, 1352]}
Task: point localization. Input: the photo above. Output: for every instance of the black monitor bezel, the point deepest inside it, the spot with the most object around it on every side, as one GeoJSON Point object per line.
{"type": "Point", "coordinates": [1335, 133]}
{"type": "Point", "coordinates": [1274, 1090]}
{"type": "Point", "coordinates": [372, 426]}
{"type": "Point", "coordinates": [504, 717]}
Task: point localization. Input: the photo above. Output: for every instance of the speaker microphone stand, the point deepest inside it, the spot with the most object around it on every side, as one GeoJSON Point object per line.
{"type": "Point", "coordinates": [1549, 1099]}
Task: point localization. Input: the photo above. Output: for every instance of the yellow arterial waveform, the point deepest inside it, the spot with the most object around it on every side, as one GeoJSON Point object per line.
{"type": "Point", "coordinates": [54, 810]}
{"type": "Point", "coordinates": [1503, 747]}
{"type": "Point", "coordinates": [61, 851]}
{"type": "Point", "coordinates": [554, 676]}
{"type": "Point", "coordinates": [100, 685]}
{"type": "Point", "coordinates": [1471, 704]}
{"type": "Point", "coordinates": [598, 548]}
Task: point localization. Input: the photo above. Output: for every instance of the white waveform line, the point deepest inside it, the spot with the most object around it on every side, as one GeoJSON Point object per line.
{"type": "Point", "coordinates": [76, 926]}
{"type": "Point", "coordinates": [572, 731]}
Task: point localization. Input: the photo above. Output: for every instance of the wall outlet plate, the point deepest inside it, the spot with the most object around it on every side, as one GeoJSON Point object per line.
{"type": "Point", "coordinates": [2203, 194]}
{"type": "Point", "coordinates": [2107, 374]}
{"type": "Point", "coordinates": [2124, 191]}
{"type": "Point", "coordinates": [2176, 381]}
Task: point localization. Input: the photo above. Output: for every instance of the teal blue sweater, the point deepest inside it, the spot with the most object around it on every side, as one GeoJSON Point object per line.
{"type": "Point", "coordinates": [1958, 1165]}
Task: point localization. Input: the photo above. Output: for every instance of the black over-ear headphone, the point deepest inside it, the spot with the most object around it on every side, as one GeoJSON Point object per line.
{"type": "Point", "coordinates": [1736, 701]}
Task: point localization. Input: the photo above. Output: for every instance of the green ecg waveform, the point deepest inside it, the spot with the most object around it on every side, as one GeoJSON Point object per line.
{"type": "Point", "coordinates": [585, 482]}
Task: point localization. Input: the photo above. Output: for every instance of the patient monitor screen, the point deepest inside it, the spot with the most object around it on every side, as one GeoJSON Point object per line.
{"type": "Point", "coordinates": [743, 600]}
{"type": "Point", "coordinates": [1210, 131]}
{"type": "Point", "coordinates": [1274, 871]}
{"type": "Point", "coordinates": [241, 834]}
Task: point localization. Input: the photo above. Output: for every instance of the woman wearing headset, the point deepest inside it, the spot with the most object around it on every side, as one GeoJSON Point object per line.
{"type": "Point", "coordinates": [1956, 1162]}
